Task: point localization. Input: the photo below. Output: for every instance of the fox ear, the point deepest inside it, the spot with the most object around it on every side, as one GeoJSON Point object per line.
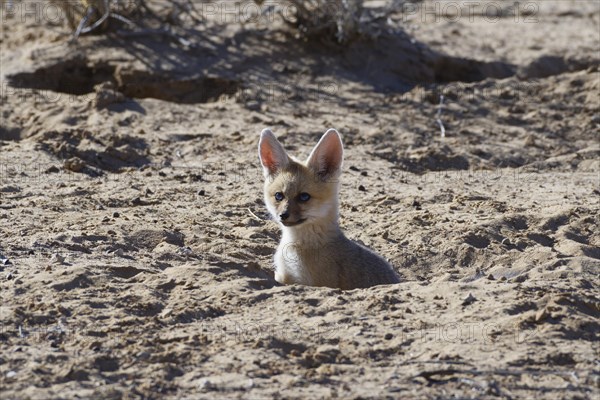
{"type": "Point", "coordinates": [271, 153]}
{"type": "Point", "coordinates": [327, 156]}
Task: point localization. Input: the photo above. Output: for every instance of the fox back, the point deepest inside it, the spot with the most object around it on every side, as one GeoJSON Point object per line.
{"type": "Point", "coordinates": [303, 198]}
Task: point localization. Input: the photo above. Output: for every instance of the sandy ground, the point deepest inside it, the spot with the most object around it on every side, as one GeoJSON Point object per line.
{"type": "Point", "coordinates": [136, 253]}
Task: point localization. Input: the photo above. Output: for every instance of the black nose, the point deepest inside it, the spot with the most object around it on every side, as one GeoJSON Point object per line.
{"type": "Point", "coordinates": [284, 216]}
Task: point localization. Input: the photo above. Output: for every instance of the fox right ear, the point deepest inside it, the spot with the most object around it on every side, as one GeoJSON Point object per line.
{"type": "Point", "coordinates": [327, 156]}
{"type": "Point", "coordinates": [271, 153]}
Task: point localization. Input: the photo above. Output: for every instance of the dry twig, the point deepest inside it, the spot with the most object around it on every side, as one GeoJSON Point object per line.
{"type": "Point", "coordinates": [438, 117]}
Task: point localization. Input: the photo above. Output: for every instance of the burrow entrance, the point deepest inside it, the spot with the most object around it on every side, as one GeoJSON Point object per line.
{"type": "Point", "coordinates": [79, 77]}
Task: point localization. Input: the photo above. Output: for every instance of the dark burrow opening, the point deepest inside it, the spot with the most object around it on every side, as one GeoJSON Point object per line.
{"type": "Point", "coordinates": [74, 76]}
{"type": "Point", "coordinates": [77, 76]}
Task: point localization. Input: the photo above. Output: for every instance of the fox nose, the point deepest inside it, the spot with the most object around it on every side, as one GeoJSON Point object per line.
{"type": "Point", "coordinates": [284, 216]}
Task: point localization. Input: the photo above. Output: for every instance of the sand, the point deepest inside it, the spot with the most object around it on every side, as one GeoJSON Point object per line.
{"type": "Point", "coordinates": [136, 251]}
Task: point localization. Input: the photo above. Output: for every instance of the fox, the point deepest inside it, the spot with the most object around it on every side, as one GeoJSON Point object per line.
{"type": "Point", "coordinates": [303, 197]}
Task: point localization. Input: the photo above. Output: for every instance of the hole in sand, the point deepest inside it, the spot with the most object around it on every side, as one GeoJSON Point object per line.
{"type": "Point", "coordinates": [77, 76]}
{"type": "Point", "coordinates": [73, 76]}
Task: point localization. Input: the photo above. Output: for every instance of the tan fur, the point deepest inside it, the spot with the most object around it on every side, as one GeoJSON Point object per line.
{"type": "Point", "coordinates": [315, 252]}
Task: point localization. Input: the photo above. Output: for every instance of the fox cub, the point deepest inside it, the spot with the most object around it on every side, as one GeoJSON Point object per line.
{"type": "Point", "coordinates": [303, 198]}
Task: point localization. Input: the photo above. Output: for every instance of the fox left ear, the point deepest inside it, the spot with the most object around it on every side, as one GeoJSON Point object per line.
{"type": "Point", "coordinates": [327, 156]}
{"type": "Point", "coordinates": [273, 157]}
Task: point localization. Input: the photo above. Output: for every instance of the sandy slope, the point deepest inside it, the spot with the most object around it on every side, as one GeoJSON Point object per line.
{"type": "Point", "coordinates": [142, 265]}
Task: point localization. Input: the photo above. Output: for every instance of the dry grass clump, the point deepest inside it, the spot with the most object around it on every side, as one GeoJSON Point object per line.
{"type": "Point", "coordinates": [85, 16]}
{"type": "Point", "coordinates": [339, 20]}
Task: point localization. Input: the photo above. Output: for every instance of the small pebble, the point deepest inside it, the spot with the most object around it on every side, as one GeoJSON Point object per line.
{"type": "Point", "coordinates": [186, 251]}
{"type": "Point", "coordinates": [470, 299]}
{"type": "Point", "coordinates": [74, 164]}
{"type": "Point", "coordinates": [388, 336]}
{"type": "Point", "coordinates": [118, 252]}
{"type": "Point", "coordinates": [201, 192]}
{"type": "Point", "coordinates": [116, 215]}
{"type": "Point", "coordinates": [362, 188]}
{"type": "Point", "coordinates": [57, 259]}
{"type": "Point", "coordinates": [529, 141]}
{"type": "Point", "coordinates": [205, 384]}
{"type": "Point", "coordinates": [10, 374]}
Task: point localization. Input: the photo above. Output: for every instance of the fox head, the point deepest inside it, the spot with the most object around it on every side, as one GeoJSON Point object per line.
{"type": "Point", "coordinates": [300, 193]}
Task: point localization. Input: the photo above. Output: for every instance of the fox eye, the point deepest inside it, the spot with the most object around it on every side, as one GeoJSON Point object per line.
{"type": "Point", "coordinates": [279, 196]}
{"type": "Point", "coordinates": [304, 196]}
